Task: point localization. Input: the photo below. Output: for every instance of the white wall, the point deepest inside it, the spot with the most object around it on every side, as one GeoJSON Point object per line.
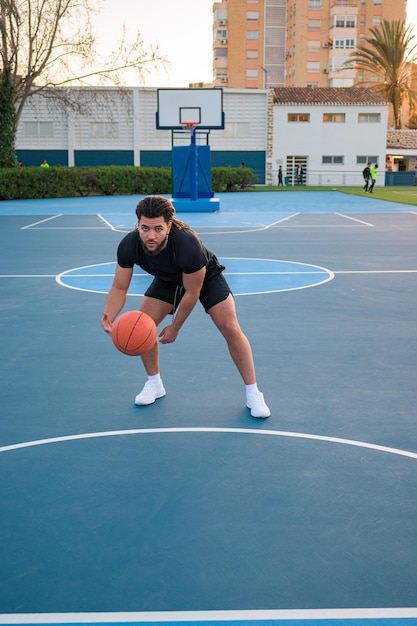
{"type": "Point", "coordinates": [316, 139]}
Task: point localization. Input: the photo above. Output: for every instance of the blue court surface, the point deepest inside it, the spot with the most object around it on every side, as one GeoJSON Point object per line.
{"type": "Point", "coordinates": [189, 511]}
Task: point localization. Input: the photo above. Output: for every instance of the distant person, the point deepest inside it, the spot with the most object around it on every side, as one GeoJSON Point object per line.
{"type": "Point", "coordinates": [184, 271]}
{"type": "Point", "coordinates": [373, 171]}
{"type": "Point", "coordinates": [242, 164]}
{"type": "Point", "coordinates": [366, 176]}
{"type": "Point", "coordinates": [19, 164]}
{"type": "Point", "coordinates": [280, 181]}
{"type": "Point", "coordinates": [299, 174]}
{"type": "Point", "coordinates": [44, 163]}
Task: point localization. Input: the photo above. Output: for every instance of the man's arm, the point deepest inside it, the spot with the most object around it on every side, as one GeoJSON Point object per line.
{"type": "Point", "coordinates": [192, 285]}
{"type": "Point", "coordinates": [116, 298]}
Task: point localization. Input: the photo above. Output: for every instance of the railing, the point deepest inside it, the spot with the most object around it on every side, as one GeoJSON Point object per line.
{"type": "Point", "coordinates": [330, 178]}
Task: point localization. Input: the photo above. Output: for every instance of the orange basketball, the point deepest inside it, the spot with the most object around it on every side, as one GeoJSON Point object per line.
{"type": "Point", "coordinates": [134, 333]}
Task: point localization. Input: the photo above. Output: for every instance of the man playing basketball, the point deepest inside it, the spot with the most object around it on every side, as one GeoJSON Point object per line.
{"type": "Point", "coordinates": [184, 271]}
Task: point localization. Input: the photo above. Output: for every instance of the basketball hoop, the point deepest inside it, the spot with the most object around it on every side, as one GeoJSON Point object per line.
{"type": "Point", "coordinates": [189, 126]}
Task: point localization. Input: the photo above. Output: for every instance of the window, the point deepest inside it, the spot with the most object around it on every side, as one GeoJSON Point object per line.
{"type": "Point", "coordinates": [252, 34]}
{"type": "Point", "coordinates": [298, 117]}
{"type": "Point", "coordinates": [252, 16]}
{"type": "Point", "coordinates": [220, 53]}
{"type": "Point", "coordinates": [313, 46]}
{"type": "Point", "coordinates": [342, 82]}
{"type": "Point", "coordinates": [314, 4]}
{"type": "Point", "coordinates": [251, 74]}
{"type": "Point", "coordinates": [313, 66]}
{"type": "Point", "coordinates": [334, 117]}
{"type": "Point", "coordinates": [376, 21]}
{"type": "Point", "coordinates": [104, 130]}
{"type": "Point", "coordinates": [372, 118]}
{"type": "Point", "coordinates": [252, 54]}
{"type": "Point", "coordinates": [347, 21]}
{"type": "Point", "coordinates": [344, 44]}
{"type": "Point", "coordinates": [220, 15]}
{"type": "Point", "coordinates": [40, 130]}
{"type": "Point", "coordinates": [332, 160]}
{"type": "Point", "coordinates": [338, 63]}
{"type": "Point", "coordinates": [221, 33]}
{"type": "Point", "coordinates": [365, 159]}
{"type": "Point", "coordinates": [221, 74]}
{"type": "Point", "coordinates": [237, 129]}
{"type": "Point", "coordinates": [314, 24]}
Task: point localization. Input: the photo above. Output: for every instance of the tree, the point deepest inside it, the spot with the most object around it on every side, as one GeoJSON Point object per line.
{"type": "Point", "coordinates": [46, 44]}
{"type": "Point", "coordinates": [7, 120]}
{"type": "Point", "coordinates": [389, 54]}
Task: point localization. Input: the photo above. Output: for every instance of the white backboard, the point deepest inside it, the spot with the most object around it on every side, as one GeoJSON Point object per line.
{"type": "Point", "coordinates": [203, 107]}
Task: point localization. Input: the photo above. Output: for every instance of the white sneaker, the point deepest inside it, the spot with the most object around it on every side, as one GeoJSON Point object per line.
{"type": "Point", "coordinates": [151, 392]}
{"type": "Point", "coordinates": [256, 403]}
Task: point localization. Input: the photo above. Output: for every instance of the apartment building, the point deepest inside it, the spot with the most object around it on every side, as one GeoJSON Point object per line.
{"type": "Point", "coordinates": [293, 43]}
{"type": "Point", "coordinates": [249, 43]}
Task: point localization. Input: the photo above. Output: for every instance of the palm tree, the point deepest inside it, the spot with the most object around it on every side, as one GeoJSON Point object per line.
{"type": "Point", "coordinates": [388, 54]}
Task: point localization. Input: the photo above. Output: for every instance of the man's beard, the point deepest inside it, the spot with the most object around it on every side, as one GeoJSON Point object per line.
{"type": "Point", "coordinates": [156, 250]}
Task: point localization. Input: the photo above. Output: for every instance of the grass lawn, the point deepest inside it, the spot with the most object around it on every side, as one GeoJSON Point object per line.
{"type": "Point", "coordinates": [403, 195]}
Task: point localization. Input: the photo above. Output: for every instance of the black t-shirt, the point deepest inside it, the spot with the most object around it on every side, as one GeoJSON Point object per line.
{"type": "Point", "coordinates": [184, 253]}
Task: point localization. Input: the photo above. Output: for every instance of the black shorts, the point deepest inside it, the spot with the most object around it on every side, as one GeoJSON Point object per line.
{"type": "Point", "coordinates": [215, 289]}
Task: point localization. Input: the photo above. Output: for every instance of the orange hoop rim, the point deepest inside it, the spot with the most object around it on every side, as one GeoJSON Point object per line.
{"type": "Point", "coordinates": [188, 125]}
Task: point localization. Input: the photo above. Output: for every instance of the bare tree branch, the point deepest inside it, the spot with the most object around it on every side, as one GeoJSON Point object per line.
{"type": "Point", "coordinates": [50, 43]}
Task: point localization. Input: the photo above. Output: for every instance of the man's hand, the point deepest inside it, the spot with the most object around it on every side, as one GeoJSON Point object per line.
{"type": "Point", "coordinates": [106, 323]}
{"type": "Point", "coordinates": [168, 334]}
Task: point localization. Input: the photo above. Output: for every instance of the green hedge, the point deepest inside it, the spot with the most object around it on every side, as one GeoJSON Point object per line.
{"type": "Point", "coordinates": [69, 182]}
{"type": "Point", "coordinates": [231, 178]}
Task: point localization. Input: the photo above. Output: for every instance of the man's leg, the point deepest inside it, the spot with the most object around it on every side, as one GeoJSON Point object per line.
{"type": "Point", "coordinates": [224, 316]}
{"type": "Point", "coordinates": [154, 388]}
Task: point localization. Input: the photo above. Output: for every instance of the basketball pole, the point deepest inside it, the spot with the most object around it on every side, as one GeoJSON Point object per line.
{"type": "Point", "coordinates": [193, 166]}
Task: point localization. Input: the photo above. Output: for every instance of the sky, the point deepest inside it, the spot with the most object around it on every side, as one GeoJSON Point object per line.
{"type": "Point", "coordinates": [181, 28]}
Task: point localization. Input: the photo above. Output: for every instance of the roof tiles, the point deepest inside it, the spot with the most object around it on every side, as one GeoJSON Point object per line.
{"type": "Point", "coordinates": [326, 95]}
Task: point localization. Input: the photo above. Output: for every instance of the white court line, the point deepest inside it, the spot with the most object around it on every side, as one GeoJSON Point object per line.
{"type": "Point", "coordinates": [355, 219]}
{"type": "Point", "coordinates": [47, 219]}
{"type": "Point", "coordinates": [375, 272]}
{"type": "Point", "coordinates": [249, 229]}
{"type": "Point", "coordinates": [108, 224]}
{"type": "Point", "coordinates": [141, 275]}
{"type": "Point", "coordinates": [144, 274]}
{"type": "Point", "coordinates": [73, 228]}
{"type": "Point", "coordinates": [246, 431]}
{"type": "Point", "coordinates": [209, 616]}
{"type": "Point", "coordinates": [320, 226]}
{"type": "Point", "coordinates": [284, 219]}
{"type": "Point", "coordinates": [27, 275]}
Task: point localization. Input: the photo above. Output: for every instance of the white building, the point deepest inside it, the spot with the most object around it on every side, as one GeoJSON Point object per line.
{"type": "Point", "coordinates": [331, 132]}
